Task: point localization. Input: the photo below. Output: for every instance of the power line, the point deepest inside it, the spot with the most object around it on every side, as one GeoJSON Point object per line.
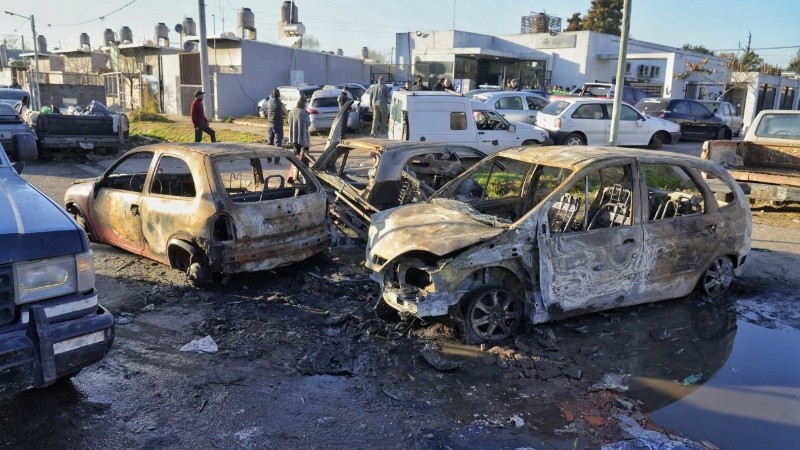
{"type": "Point", "coordinates": [103, 17]}
{"type": "Point", "coordinates": [762, 48]}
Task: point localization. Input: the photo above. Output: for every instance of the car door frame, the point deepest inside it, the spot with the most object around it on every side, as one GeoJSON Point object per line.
{"type": "Point", "coordinates": [603, 266]}
{"type": "Point", "coordinates": [115, 213]}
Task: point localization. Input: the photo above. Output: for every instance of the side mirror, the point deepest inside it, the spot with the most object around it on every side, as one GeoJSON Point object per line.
{"type": "Point", "coordinates": [512, 128]}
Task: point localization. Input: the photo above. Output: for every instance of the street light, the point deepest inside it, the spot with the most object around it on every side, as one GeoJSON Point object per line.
{"type": "Point", "coordinates": [35, 103]}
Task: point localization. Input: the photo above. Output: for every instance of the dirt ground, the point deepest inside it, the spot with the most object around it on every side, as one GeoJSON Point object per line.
{"type": "Point", "coordinates": [303, 361]}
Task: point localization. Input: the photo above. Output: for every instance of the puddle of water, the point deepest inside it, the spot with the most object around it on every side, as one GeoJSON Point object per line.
{"type": "Point", "coordinates": [753, 400]}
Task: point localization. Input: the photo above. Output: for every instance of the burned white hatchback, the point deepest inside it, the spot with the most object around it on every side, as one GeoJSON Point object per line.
{"type": "Point", "coordinates": [547, 233]}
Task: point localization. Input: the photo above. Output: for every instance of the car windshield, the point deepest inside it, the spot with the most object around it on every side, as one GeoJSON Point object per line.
{"type": "Point", "coordinates": [499, 190]}
{"type": "Point", "coordinates": [8, 115]}
{"type": "Point", "coordinates": [652, 107]}
{"type": "Point", "coordinates": [779, 126]}
{"type": "Point", "coordinates": [555, 107]}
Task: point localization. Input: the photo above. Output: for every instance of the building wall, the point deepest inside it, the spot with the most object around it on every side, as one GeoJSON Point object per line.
{"type": "Point", "coordinates": [54, 94]}
{"type": "Point", "coordinates": [756, 82]}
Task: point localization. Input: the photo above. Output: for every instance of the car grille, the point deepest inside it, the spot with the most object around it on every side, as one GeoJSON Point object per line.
{"type": "Point", "coordinates": [7, 310]}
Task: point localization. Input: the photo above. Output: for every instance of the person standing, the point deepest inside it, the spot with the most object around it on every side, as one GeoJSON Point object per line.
{"type": "Point", "coordinates": [513, 85]}
{"type": "Point", "coordinates": [199, 121]}
{"type": "Point", "coordinates": [379, 101]}
{"type": "Point", "coordinates": [418, 86]}
{"type": "Point", "coordinates": [276, 112]}
{"type": "Point", "coordinates": [342, 99]}
{"type": "Point", "coordinates": [299, 137]}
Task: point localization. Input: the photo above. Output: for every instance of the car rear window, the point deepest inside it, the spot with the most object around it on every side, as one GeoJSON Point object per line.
{"type": "Point", "coordinates": [257, 179]}
{"type": "Point", "coordinates": [325, 102]}
{"type": "Point", "coordinates": [555, 108]}
{"type": "Point", "coordinates": [651, 107]}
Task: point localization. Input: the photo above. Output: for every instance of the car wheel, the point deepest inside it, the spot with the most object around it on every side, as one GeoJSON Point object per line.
{"type": "Point", "coordinates": [491, 313]}
{"type": "Point", "coordinates": [574, 139]}
{"type": "Point", "coordinates": [197, 275]}
{"type": "Point", "coordinates": [655, 142]}
{"type": "Point", "coordinates": [722, 133]}
{"type": "Point", "coordinates": [717, 278]}
{"type": "Point", "coordinates": [261, 113]}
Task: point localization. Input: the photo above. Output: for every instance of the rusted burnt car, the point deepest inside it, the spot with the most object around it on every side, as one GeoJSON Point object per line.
{"type": "Point", "coordinates": [547, 233]}
{"type": "Point", "coordinates": [215, 209]}
{"type": "Point", "coordinates": [367, 175]}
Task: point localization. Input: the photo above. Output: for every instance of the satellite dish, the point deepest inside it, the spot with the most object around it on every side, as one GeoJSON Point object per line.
{"type": "Point", "coordinates": [178, 28]}
{"type": "Point", "coordinates": [188, 46]}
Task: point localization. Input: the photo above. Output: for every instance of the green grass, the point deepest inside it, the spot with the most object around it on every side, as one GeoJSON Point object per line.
{"type": "Point", "coordinates": [502, 184]}
{"type": "Point", "coordinates": [184, 132]}
{"type": "Point", "coordinates": [662, 176]}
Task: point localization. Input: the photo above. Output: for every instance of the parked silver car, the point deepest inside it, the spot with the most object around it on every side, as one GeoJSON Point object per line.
{"type": "Point", "coordinates": [324, 106]}
{"type": "Point", "coordinates": [289, 97]}
{"type": "Point", "coordinates": [726, 112]}
{"type": "Point", "coordinates": [516, 106]}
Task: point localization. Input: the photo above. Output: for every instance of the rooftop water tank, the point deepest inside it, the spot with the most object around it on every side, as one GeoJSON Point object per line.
{"type": "Point", "coordinates": [162, 34]}
{"type": "Point", "coordinates": [288, 12]}
{"type": "Point", "coordinates": [126, 35]}
{"type": "Point", "coordinates": [189, 27]}
{"type": "Point", "coordinates": [246, 19]}
{"type": "Point", "coordinates": [108, 36]}
{"type": "Point", "coordinates": [84, 42]}
{"type": "Point", "coordinates": [41, 41]}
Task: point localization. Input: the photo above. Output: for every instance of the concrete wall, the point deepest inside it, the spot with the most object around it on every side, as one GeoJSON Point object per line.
{"type": "Point", "coordinates": [755, 82]}
{"type": "Point", "coordinates": [56, 93]}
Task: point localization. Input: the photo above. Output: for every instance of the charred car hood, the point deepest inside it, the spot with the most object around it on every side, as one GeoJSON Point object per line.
{"type": "Point", "coordinates": [427, 227]}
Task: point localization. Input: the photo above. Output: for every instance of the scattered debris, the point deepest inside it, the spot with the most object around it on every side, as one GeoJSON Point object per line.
{"type": "Point", "coordinates": [123, 318]}
{"type": "Point", "coordinates": [573, 372]}
{"type": "Point", "coordinates": [327, 358]}
{"type": "Point", "coordinates": [517, 421]}
{"type": "Point", "coordinates": [692, 379]}
{"type": "Point", "coordinates": [642, 439]}
{"type": "Point", "coordinates": [437, 361]}
{"type": "Point", "coordinates": [611, 382]}
{"type": "Point", "coordinates": [203, 345]}
{"type": "Point", "coordinates": [546, 369]}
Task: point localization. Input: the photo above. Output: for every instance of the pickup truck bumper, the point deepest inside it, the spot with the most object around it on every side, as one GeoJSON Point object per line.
{"type": "Point", "coordinates": [38, 353]}
{"type": "Point", "coordinates": [82, 142]}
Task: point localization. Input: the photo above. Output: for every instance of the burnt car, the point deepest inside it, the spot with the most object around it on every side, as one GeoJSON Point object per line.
{"type": "Point", "coordinates": [207, 209]}
{"type": "Point", "coordinates": [367, 175]}
{"type": "Point", "coordinates": [541, 234]}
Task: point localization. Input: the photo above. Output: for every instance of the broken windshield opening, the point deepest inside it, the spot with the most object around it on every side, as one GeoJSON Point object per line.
{"type": "Point", "coordinates": [262, 179]}
{"type": "Point", "coordinates": [504, 189]}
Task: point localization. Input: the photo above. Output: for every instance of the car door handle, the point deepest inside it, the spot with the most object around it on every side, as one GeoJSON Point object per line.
{"type": "Point", "coordinates": [628, 241]}
{"type": "Point", "coordinates": [135, 210]}
{"type": "Point", "coordinates": [481, 132]}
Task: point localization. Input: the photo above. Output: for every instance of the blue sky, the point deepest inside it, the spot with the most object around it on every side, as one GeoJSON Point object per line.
{"type": "Point", "coordinates": [350, 24]}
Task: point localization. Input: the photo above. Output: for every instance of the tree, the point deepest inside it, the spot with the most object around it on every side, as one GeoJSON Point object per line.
{"type": "Point", "coordinates": [794, 64]}
{"type": "Point", "coordinates": [604, 16]}
{"type": "Point", "coordinates": [697, 49]}
{"type": "Point", "coordinates": [575, 23]}
{"type": "Point", "coordinates": [310, 42]}
{"type": "Point", "coordinates": [749, 61]}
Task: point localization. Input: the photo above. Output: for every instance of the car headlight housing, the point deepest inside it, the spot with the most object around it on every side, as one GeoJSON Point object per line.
{"type": "Point", "coordinates": [48, 278]}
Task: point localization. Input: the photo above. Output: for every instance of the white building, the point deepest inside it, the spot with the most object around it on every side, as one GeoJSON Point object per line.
{"type": "Point", "coordinates": [244, 71]}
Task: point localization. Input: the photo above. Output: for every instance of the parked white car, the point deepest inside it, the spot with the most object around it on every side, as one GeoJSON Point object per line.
{"type": "Point", "coordinates": [726, 112]}
{"type": "Point", "coordinates": [324, 106]}
{"type": "Point", "coordinates": [587, 121]}
{"type": "Point", "coordinates": [516, 106]}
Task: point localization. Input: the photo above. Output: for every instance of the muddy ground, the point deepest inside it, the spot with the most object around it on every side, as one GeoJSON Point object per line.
{"type": "Point", "coordinates": [304, 362]}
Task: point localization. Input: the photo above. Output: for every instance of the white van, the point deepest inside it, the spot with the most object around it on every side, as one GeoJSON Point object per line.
{"type": "Point", "coordinates": [448, 117]}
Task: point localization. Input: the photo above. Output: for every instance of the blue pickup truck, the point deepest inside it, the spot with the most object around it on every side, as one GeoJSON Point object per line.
{"type": "Point", "coordinates": [51, 325]}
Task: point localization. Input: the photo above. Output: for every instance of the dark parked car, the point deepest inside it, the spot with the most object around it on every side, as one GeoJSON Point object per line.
{"type": "Point", "coordinates": [696, 121]}
{"type": "Point", "coordinates": [51, 325]}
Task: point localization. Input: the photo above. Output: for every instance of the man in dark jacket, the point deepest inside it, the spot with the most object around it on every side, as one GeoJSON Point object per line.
{"type": "Point", "coordinates": [198, 115]}
{"type": "Point", "coordinates": [418, 85]}
{"type": "Point", "coordinates": [276, 111]}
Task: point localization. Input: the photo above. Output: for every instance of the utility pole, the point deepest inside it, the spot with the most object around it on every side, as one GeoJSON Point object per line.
{"type": "Point", "coordinates": [619, 89]}
{"type": "Point", "coordinates": [35, 100]}
{"type": "Point", "coordinates": [204, 78]}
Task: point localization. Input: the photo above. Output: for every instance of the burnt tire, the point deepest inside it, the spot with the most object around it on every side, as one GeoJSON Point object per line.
{"type": "Point", "coordinates": [722, 134]}
{"type": "Point", "coordinates": [574, 139]}
{"type": "Point", "coordinates": [198, 275]}
{"type": "Point", "coordinates": [717, 278]}
{"type": "Point", "coordinates": [490, 314]}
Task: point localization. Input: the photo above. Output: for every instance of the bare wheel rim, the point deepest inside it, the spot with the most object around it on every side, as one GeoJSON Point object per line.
{"type": "Point", "coordinates": [495, 315]}
{"type": "Point", "coordinates": [718, 277]}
